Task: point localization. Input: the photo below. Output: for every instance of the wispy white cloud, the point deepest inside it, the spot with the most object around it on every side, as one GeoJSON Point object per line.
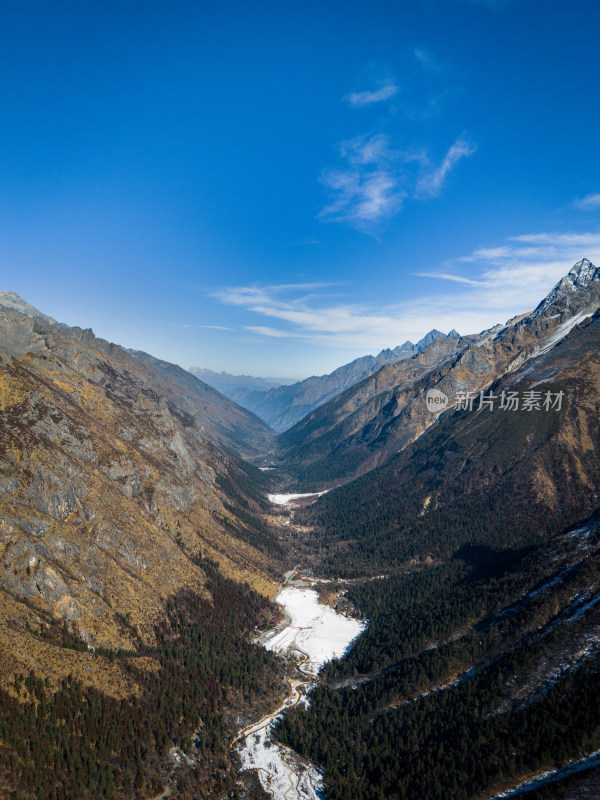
{"type": "Point", "coordinates": [351, 326]}
{"type": "Point", "coordinates": [272, 333]}
{"type": "Point", "coordinates": [504, 280]}
{"type": "Point", "coordinates": [446, 276]}
{"type": "Point", "coordinates": [367, 98]}
{"type": "Point", "coordinates": [377, 178]}
{"type": "Point", "coordinates": [211, 327]}
{"type": "Point", "coordinates": [589, 202]}
{"type": "Point", "coordinates": [368, 150]}
{"type": "Point", "coordinates": [364, 200]}
{"type": "Point", "coordinates": [431, 183]}
{"type": "Point", "coordinates": [516, 275]}
{"type": "Point", "coordinates": [373, 176]}
{"type": "Point", "coordinates": [309, 312]}
{"type": "Point", "coordinates": [367, 190]}
{"type": "Point", "coordinates": [256, 295]}
{"type": "Point", "coordinates": [559, 241]}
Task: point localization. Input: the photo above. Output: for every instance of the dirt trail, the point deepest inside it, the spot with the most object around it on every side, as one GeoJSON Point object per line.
{"type": "Point", "coordinates": [292, 699]}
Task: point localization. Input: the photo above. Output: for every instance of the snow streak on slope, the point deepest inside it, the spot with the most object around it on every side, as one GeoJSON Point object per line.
{"type": "Point", "coordinates": [560, 332]}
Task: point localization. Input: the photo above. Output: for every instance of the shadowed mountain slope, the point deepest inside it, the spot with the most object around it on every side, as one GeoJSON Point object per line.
{"type": "Point", "coordinates": [495, 476]}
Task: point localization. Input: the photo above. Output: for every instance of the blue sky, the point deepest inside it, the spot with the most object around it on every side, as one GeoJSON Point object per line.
{"type": "Point", "coordinates": [276, 188]}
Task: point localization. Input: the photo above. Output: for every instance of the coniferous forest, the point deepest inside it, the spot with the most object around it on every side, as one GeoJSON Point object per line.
{"type": "Point", "coordinates": [454, 689]}
{"type": "Point", "coordinates": [76, 742]}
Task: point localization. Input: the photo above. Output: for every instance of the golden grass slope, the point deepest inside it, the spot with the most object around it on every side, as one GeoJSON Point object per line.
{"type": "Point", "coordinates": [107, 492]}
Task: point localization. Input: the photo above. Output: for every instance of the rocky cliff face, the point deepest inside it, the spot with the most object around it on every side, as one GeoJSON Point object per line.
{"type": "Point", "coordinates": [223, 421]}
{"type": "Point", "coordinates": [572, 293]}
{"type": "Point", "coordinates": [110, 486]}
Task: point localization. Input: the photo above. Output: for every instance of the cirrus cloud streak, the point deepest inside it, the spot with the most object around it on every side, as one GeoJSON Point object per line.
{"type": "Point", "coordinates": [503, 281]}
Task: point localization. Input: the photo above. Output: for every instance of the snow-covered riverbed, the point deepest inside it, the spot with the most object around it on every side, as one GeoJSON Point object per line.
{"type": "Point", "coordinates": [315, 629]}
{"type": "Point", "coordinates": [321, 634]}
{"type": "Point", "coordinates": [286, 499]}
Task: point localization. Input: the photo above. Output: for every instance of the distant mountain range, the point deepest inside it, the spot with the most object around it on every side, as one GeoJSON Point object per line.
{"type": "Point", "coordinates": [234, 385]}
{"type": "Point", "coordinates": [282, 406]}
{"type": "Point", "coordinates": [377, 417]}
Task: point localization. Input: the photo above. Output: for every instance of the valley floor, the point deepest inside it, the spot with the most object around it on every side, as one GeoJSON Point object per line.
{"type": "Point", "coordinates": [315, 634]}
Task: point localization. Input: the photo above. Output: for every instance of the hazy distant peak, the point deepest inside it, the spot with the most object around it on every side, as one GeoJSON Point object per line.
{"type": "Point", "coordinates": [431, 336]}
{"type": "Point", "coordinates": [230, 378]}
{"type": "Point", "coordinates": [232, 385]}
{"type": "Point", "coordinates": [14, 302]}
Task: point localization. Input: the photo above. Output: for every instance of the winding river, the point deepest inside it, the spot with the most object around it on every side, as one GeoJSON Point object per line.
{"type": "Point", "coordinates": [318, 634]}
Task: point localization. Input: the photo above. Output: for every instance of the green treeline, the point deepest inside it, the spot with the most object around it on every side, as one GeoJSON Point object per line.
{"type": "Point", "coordinates": [452, 744]}
{"type": "Point", "coordinates": [408, 612]}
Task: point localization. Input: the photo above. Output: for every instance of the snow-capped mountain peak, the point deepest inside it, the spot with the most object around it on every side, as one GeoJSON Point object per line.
{"type": "Point", "coordinates": [582, 273]}
{"type": "Point", "coordinates": [564, 294]}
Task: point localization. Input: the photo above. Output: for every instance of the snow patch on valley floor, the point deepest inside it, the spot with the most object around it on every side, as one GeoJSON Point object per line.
{"type": "Point", "coordinates": [284, 499]}
{"type": "Point", "coordinates": [317, 631]}
{"type": "Point", "coordinates": [282, 774]}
